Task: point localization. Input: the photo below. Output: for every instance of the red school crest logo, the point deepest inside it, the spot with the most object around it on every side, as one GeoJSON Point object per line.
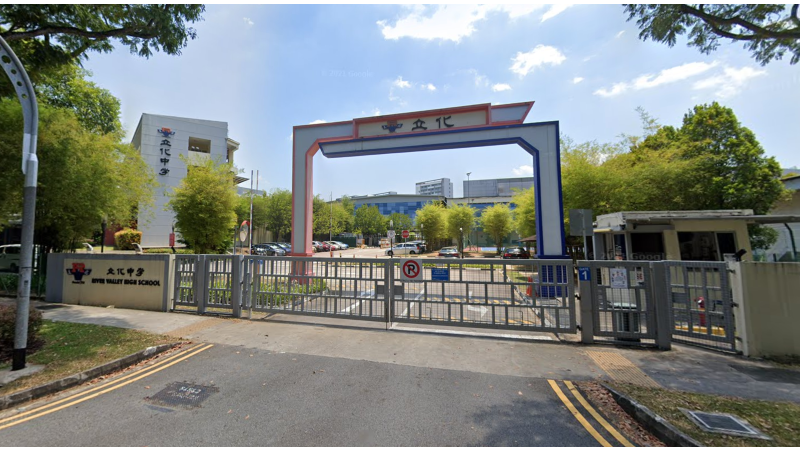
{"type": "Point", "coordinates": [78, 270]}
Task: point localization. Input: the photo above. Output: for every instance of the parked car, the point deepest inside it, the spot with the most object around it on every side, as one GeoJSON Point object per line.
{"type": "Point", "coordinates": [516, 253]}
{"type": "Point", "coordinates": [341, 245]}
{"type": "Point", "coordinates": [286, 246]}
{"type": "Point", "coordinates": [268, 249]}
{"type": "Point", "coordinates": [403, 249]}
{"type": "Point", "coordinates": [316, 246]}
{"type": "Point", "coordinates": [9, 257]}
{"type": "Point", "coordinates": [421, 244]}
{"type": "Point", "coordinates": [449, 252]}
{"type": "Point", "coordinates": [331, 246]}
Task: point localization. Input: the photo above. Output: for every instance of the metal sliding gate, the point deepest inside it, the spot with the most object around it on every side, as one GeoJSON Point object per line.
{"type": "Point", "coordinates": [535, 295]}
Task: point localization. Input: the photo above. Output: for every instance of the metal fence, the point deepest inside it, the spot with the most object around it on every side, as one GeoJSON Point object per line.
{"type": "Point", "coordinates": [534, 295]}
{"type": "Point", "coordinates": [701, 303]}
{"type": "Point", "coordinates": [352, 288]}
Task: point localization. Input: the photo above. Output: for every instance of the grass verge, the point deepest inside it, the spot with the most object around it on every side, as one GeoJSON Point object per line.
{"type": "Point", "coordinates": [779, 420]}
{"type": "Point", "coordinates": [71, 348]}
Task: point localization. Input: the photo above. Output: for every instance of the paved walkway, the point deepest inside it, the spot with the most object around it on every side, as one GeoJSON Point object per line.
{"type": "Point", "coordinates": [490, 352]}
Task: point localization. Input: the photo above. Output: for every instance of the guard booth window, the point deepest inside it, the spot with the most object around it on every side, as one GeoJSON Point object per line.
{"type": "Point", "coordinates": [706, 246]}
{"type": "Point", "coordinates": [647, 246]}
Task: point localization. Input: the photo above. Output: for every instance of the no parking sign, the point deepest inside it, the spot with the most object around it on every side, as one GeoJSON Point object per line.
{"type": "Point", "coordinates": [411, 270]}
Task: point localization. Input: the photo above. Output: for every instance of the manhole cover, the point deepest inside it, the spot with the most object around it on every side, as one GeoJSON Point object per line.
{"type": "Point", "coordinates": [182, 395]}
{"type": "Point", "coordinates": [723, 423]}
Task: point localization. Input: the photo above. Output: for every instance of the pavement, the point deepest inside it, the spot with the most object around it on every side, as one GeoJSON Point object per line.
{"type": "Point", "coordinates": [496, 352]}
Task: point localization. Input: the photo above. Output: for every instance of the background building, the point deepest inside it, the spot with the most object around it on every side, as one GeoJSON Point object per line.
{"type": "Point", "coordinates": [788, 233]}
{"type": "Point", "coordinates": [498, 187]}
{"type": "Point", "coordinates": [442, 187]}
{"type": "Point", "coordinates": [162, 140]}
{"type": "Point", "coordinates": [391, 202]}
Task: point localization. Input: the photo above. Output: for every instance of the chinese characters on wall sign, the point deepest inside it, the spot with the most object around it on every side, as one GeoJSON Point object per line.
{"type": "Point", "coordinates": [422, 123]}
{"type": "Point", "coordinates": [166, 149]}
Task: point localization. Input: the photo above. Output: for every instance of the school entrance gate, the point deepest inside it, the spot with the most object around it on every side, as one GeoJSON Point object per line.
{"type": "Point", "coordinates": [459, 127]}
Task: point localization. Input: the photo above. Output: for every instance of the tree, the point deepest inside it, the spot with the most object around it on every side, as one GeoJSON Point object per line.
{"type": "Point", "coordinates": [767, 31]}
{"type": "Point", "coordinates": [524, 216]}
{"type": "Point", "coordinates": [733, 172]}
{"type": "Point", "coordinates": [460, 220]}
{"type": "Point", "coordinates": [323, 226]}
{"type": "Point", "coordinates": [204, 206]}
{"type": "Point", "coordinates": [401, 221]}
{"type": "Point", "coordinates": [66, 87]}
{"type": "Point", "coordinates": [278, 213]}
{"type": "Point", "coordinates": [369, 221]}
{"type": "Point", "coordinates": [496, 222]}
{"type": "Point", "coordinates": [432, 217]}
{"type": "Point", "coordinates": [47, 35]}
{"type": "Point", "coordinates": [84, 177]}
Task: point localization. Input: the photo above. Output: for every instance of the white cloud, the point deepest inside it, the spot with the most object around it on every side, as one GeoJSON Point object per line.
{"type": "Point", "coordinates": [318, 121]}
{"type": "Point", "coordinates": [401, 83]}
{"type": "Point", "coordinates": [247, 21]}
{"type": "Point", "coordinates": [730, 82]}
{"type": "Point", "coordinates": [615, 90]}
{"type": "Point", "coordinates": [577, 80]}
{"type": "Point", "coordinates": [499, 87]}
{"type": "Point", "coordinates": [619, 35]}
{"type": "Point", "coordinates": [523, 171]}
{"type": "Point", "coordinates": [525, 63]}
{"type": "Point", "coordinates": [480, 80]}
{"type": "Point", "coordinates": [376, 112]}
{"type": "Point", "coordinates": [672, 75]}
{"type": "Point", "coordinates": [555, 10]}
{"type": "Point", "coordinates": [446, 22]}
{"type": "Point", "coordinates": [666, 76]}
{"type": "Point", "coordinates": [429, 87]}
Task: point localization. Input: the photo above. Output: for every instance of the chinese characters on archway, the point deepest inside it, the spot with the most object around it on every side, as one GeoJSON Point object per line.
{"type": "Point", "coordinates": [441, 122]}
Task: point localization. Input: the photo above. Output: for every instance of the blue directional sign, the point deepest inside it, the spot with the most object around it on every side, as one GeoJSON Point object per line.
{"type": "Point", "coordinates": [440, 274]}
{"type": "Point", "coordinates": [584, 274]}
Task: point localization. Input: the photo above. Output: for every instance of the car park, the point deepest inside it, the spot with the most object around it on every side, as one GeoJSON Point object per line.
{"type": "Point", "coordinates": [516, 253]}
{"type": "Point", "coordinates": [402, 249]}
{"type": "Point", "coordinates": [9, 257]}
{"type": "Point", "coordinates": [449, 252]}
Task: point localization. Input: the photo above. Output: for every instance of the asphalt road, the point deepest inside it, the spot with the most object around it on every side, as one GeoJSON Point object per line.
{"type": "Point", "coordinates": [256, 397]}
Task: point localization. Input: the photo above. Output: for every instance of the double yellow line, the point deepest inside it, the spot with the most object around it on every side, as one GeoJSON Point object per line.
{"type": "Point", "coordinates": [588, 426]}
{"type": "Point", "coordinates": [100, 390]}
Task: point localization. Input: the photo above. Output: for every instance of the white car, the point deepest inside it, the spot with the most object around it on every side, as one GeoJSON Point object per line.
{"type": "Point", "coordinates": [341, 245]}
{"type": "Point", "coordinates": [403, 249]}
{"type": "Point", "coordinates": [9, 257]}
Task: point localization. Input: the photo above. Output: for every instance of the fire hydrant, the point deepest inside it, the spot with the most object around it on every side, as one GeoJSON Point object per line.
{"type": "Point", "coordinates": [701, 305]}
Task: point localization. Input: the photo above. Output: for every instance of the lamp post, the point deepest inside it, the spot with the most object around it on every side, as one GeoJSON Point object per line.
{"type": "Point", "coordinates": [391, 240]}
{"type": "Point", "coordinates": [422, 232]}
{"type": "Point", "coordinates": [103, 226]}
{"type": "Point", "coordinates": [462, 241]}
{"type": "Point", "coordinates": [469, 201]}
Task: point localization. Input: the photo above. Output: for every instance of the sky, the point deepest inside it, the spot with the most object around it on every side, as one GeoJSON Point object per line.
{"type": "Point", "coordinates": [266, 68]}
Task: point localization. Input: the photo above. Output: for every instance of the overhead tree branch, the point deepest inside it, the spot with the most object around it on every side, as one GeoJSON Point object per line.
{"type": "Point", "coordinates": [127, 31]}
{"type": "Point", "coordinates": [760, 32]}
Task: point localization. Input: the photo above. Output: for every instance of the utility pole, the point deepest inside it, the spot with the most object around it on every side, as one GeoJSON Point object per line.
{"type": "Point", "coordinates": [250, 249]}
{"type": "Point", "coordinates": [30, 167]}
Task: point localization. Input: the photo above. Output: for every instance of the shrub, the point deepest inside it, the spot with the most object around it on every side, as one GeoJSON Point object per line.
{"type": "Point", "coordinates": [8, 321]}
{"type": "Point", "coordinates": [126, 237]}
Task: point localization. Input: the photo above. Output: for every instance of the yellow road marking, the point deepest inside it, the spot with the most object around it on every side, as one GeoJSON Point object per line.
{"type": "Point", "coordinates": [578, 415]}
{"type": "Point", "coordinates": [597, 416]}
{"type": "Point", "coordinates": [111, 383]}
{"type": "Point", "coordinates": [112, 388]}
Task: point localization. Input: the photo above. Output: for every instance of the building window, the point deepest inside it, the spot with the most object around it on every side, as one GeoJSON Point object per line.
{"type": "Point", "coordinates": [199, 145]}
{"type": "Point", "coordinates": [706, 246]}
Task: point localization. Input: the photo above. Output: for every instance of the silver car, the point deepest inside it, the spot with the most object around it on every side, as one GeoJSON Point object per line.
{"type": "Point", "coordinates": [9, 257]}
{"type": "Point", "coordinates": [403, 249]}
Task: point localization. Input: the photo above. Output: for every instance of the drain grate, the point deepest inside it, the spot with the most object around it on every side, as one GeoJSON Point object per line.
{"type": "Point", "coordinates": [182, 395]}
{"type": "Point", "coordinates": [724, 423]}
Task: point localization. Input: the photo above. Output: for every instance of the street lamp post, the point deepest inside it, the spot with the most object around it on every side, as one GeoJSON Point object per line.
{"type": "Point", "coordinates": [462, 241]}
{"type": "Point", "coordinates": [469, 201]}
{"type": "Point", "coordinates": [391, 240]}
{"type": "Point", "coordinates": [30, 167]}
{"type": "Point", "coordinates": [422, 232]}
